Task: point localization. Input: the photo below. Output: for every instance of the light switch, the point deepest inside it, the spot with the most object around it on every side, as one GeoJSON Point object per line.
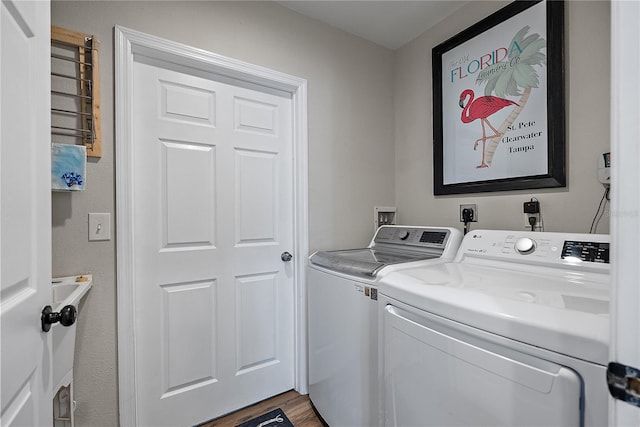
{"type": "Point", "coordinates": [99, 226]}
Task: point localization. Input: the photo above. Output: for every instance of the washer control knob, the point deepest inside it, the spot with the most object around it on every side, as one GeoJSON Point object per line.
{"type": "Point", "coordinates": [404, 235]}
{"type": "Point", "coordinates": [525, 246]}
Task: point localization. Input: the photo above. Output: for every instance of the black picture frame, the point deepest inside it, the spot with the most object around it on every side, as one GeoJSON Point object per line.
{"type": "Point", "coordinates": [547, 171]}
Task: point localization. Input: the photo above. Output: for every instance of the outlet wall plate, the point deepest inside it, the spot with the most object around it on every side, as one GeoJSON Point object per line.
{"type": "Point", "coordinates": [539, 225]}
{"type": "Point", "coordinates": [473, 207]}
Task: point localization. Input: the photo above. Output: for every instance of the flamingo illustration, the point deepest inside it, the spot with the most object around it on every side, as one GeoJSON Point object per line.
{"type": "Point", "coordinates": [481, 108]}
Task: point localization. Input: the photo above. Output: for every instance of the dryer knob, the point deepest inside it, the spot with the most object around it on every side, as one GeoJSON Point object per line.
{"type": "Point", "coordinates": [525, 246]}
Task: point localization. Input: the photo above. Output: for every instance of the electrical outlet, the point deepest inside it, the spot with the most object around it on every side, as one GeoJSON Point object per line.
{"type": "Point", "coordinates": [538, 227]}
{"type": "Point", "coordinates": [473, 207]}
{"type": "Point", "coordinates": [531, 209]}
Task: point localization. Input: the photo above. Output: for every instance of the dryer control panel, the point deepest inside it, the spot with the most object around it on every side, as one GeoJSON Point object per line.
{"type": "Point", "coordinates": [586, 251]}
{"type": "Point", "coordinates": [580, 250]}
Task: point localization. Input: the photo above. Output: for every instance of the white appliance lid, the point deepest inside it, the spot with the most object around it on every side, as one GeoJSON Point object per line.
{"type": "Point", "coordinates": [560, 310]}
{"type": "Point", "coordinates": [391, 245]}
{"type": "Point", "coordinates": [365, 261]}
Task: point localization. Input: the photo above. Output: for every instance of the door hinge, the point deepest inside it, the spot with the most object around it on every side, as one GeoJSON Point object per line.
{"type": "Point", "coordinates": [624, 383]}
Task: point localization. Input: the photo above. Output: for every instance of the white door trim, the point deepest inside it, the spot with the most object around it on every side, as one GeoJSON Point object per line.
{"type": "Point", "coordinates": [129, 44]}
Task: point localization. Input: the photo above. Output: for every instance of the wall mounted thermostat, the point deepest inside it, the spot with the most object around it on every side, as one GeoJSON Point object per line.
{"type": "Point", "coordinates": [604, 168]}
{"type": "Point", "coordinates": [384, 215]}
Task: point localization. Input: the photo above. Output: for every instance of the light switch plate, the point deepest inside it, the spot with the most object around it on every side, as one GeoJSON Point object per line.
{"type": "Point", "coordinates": [99, 226]}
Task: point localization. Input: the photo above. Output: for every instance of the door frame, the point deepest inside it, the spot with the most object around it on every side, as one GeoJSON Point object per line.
{"type": "Point", "coordinates": [128, 44]}
{"type": "Point", "coordinates": [625, 199]}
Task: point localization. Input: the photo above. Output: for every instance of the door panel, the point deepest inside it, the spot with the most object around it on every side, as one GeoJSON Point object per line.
{"type": "Point", "coordinates": [213, 211]}
{"type": "Point", "coordinates": [185, 305]}
{"type": "Point", "coordinates": [187, 103]}
{"type": "Point", "coordinates": [255, 116]}
{"type": "Point", "coordinates": [256, 188]}
{"type": "Point", "coordinates": [256, 311]}
{"type": "Point", "coordinates": [25, 220]}
{"type": "Point", "coordinates": [190, 217]}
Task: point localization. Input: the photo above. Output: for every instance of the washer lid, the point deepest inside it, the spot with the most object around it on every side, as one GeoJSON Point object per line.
{"type": "Point", "coordinates": [559, 310]}
{"type": "Point", "coordinates": [391, 245]}
{"type": "Point", "coordinates": [365, 262]}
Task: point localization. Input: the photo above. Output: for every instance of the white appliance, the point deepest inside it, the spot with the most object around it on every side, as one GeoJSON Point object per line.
{"type": "Point", "coordinates": [513, 332]}
{"type": "Point", "coordinates": [343, 317]}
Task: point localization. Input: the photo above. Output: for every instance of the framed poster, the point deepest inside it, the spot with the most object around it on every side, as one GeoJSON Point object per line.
{"type": "Point", "coordinates": [498, 102]}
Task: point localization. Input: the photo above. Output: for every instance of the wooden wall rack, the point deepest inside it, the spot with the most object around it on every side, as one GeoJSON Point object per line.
{"type": "Point", "coordinates": [75, 90]}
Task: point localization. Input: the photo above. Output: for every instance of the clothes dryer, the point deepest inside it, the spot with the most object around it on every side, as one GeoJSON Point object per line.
{"type": "Point", "coordinates": [513, 332]}
{"type": "Point", "coordinates": [343, 317]}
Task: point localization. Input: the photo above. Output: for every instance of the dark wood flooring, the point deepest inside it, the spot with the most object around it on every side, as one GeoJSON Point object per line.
{"type": "Point", "coordinates": [297, 407]}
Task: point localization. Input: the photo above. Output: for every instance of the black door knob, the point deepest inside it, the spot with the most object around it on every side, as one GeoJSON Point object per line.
{"type": "Point", "coordinates": [286, 256]}
{"type": "Point", "coordinates": [67, 317]}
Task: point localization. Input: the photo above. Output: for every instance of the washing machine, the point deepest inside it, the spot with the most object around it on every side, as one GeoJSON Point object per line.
{"type": "Point", "coordinates": [343, 317]}
{"type": "Point", "coordinates": [513, 332]}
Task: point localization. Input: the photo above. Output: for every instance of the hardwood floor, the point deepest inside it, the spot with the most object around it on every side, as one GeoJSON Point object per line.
{"type": "Point", "coordinates": [297, 407]}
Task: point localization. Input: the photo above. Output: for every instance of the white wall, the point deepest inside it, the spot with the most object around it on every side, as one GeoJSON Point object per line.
{"type": "Point", "coordinates": [587, 120]}
{"type": "Point", "coordinates": [350, 90]}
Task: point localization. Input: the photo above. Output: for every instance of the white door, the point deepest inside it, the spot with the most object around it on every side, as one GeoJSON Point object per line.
{"type": "Point", "coordinates": [25, 212]}
{"type": "Point", "coordinates": [625, 208]}
{"type": "Point", "coordinates": [212, 214]}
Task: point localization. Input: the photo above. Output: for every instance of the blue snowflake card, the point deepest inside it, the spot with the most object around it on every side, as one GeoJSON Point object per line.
{"type": "Point", "coordinates": [68, 167]}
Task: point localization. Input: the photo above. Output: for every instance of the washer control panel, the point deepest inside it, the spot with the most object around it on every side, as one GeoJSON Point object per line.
{"type": "Point", "coordinates": [537, 247]}
{"type": "Point", "coordinates": [432, 237]}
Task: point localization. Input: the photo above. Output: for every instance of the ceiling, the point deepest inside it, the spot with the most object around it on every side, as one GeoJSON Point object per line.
{"type": "Point", "coordinates": [388, 23]}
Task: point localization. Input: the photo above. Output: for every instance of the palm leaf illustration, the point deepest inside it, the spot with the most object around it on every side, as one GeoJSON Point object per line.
{"type": "Point", "coordinates": [515, 76]}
